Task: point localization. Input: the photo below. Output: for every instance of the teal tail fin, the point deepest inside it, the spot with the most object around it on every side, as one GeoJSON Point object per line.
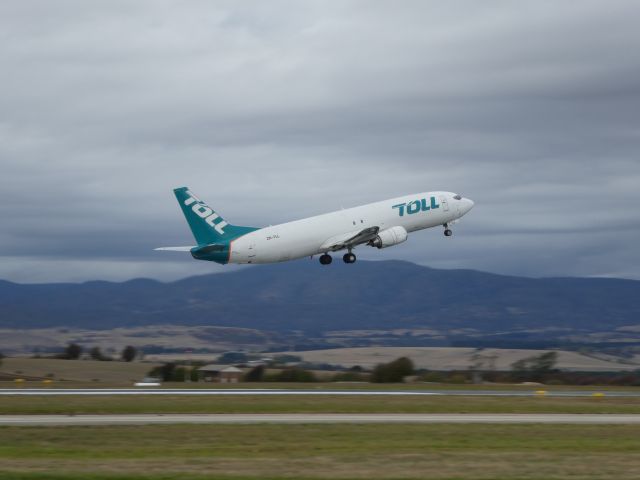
{"type": "Point", "coordinates": [207, 226]}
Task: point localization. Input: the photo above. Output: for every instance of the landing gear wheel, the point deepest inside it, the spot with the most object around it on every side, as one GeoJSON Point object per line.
{"type": "Point", "coordinates": [325, 259]}
{"type": "Point", "coordinates": [448, 233]}
{"type": "Point", "coordinates": [349, 258]}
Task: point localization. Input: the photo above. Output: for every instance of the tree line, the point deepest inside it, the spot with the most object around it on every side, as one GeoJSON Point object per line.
{"type": "Point", "coordinates": [395, 371]}
{"type": "Point", "coordinates": [73, 351]}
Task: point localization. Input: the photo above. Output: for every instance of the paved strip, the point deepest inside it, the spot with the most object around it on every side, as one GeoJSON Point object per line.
{"type": "Point", "coordinates": [274, 391]}
{"type": "Point", "coordinates": [244, 419]}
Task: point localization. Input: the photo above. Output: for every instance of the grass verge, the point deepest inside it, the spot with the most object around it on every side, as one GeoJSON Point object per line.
{"type": "Point", "coordinates": [320, 452]}
{"type": "Point", "coordinates": [78, 404]}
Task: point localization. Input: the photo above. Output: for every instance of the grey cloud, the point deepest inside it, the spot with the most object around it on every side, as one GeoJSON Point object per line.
{"type": "Point", "coordinates": [276, 111]}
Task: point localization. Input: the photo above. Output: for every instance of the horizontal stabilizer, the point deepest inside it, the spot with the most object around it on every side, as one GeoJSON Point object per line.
{"type": "Point", "coordinates": [175, 249]}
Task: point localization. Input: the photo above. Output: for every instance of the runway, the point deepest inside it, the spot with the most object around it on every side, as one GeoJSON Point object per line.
{"type": "Point", "coordinates": [345, 392]}
{"type": "Point", "coordinates": [317, 418]}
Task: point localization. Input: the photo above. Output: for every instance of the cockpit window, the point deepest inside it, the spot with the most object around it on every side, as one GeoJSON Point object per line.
{"type": "Point", "coordinates": [457, 197]}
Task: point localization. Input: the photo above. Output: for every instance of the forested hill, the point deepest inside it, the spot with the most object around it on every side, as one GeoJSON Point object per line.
{"type": "Point", "coordinates": [307, 297]}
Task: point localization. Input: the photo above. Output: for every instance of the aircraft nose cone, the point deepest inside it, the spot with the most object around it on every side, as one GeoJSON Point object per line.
{"type": "Point", "coordinates": [468, 204]}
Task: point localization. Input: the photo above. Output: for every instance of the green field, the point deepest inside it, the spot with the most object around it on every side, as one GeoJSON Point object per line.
{"type": "Point", "coordinates": [321, 451]}
{"type": "Point", "coordinates": [197, 452]}
{"type": "Point", "coordinates": [78, 404]}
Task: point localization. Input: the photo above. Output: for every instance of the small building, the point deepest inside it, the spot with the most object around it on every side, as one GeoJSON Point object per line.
{"type": "Point", "coordinates": [220, 373]}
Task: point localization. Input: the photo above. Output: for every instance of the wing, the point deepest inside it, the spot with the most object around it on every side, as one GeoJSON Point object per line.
{"type": "Point", "coordinates": [350, 239]}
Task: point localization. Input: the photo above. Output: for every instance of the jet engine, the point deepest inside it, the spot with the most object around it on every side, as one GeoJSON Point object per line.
{"type": "Point", "coordinates": [389, 237]}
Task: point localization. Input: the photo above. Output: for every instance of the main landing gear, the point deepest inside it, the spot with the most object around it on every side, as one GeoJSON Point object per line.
{"type": "Point", "coordinates": [325, 259]}
{"type": "Point", "coordinates": [447, 231]}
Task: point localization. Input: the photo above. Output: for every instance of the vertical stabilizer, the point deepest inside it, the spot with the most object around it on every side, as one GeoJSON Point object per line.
{"type": "Point", "coordinates": [207, 226]}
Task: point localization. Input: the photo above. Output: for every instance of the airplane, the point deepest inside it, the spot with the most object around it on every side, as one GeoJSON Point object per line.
{"type": "Point", "coordinates": [381, 225]}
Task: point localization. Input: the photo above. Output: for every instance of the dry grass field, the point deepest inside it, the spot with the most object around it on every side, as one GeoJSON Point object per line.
{"type": "Point", "coordinates": [449, 358]}
{"type": "Point", "coordinates": [77, 370]}
{"type": "Point", "coordinates": [220, 339]}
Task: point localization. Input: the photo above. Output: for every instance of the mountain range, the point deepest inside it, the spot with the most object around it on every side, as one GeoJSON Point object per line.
{"type": "Point", "coordinates": [387, 299]}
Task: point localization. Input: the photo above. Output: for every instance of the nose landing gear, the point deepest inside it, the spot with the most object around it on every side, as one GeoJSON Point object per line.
{"type": "Point", "coordinates": [447, 231]}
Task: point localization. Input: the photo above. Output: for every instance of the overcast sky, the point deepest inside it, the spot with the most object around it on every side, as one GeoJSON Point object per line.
{"type": "Point", "coordinates": [273, 111]}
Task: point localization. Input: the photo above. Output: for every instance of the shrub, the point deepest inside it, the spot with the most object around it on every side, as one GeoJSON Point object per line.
{"type": "Point", "coordinates": [71, 352]}
{"type": "Point", "coordinates": [295, 375]}
{"type": "Point", "coordinates": [129, 353]}
{"type": "Point", "coordinates": [168, 372]}
{"type": "Point", "coordinates": [256, 374]}
{"type": "Point", "coordinates": [534, 368]}
{"type": "Point", "coordinates": [96, 354]}
{"type": "Point", "coordinates": [392, 372]}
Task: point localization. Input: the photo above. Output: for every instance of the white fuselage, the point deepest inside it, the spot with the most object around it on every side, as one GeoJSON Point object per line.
{"type": "Point", "coordinates": [311, 236]}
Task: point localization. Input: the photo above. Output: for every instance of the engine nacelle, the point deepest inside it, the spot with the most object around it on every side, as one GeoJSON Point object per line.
{"type": "Point", "coordinates": [389, 237]}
